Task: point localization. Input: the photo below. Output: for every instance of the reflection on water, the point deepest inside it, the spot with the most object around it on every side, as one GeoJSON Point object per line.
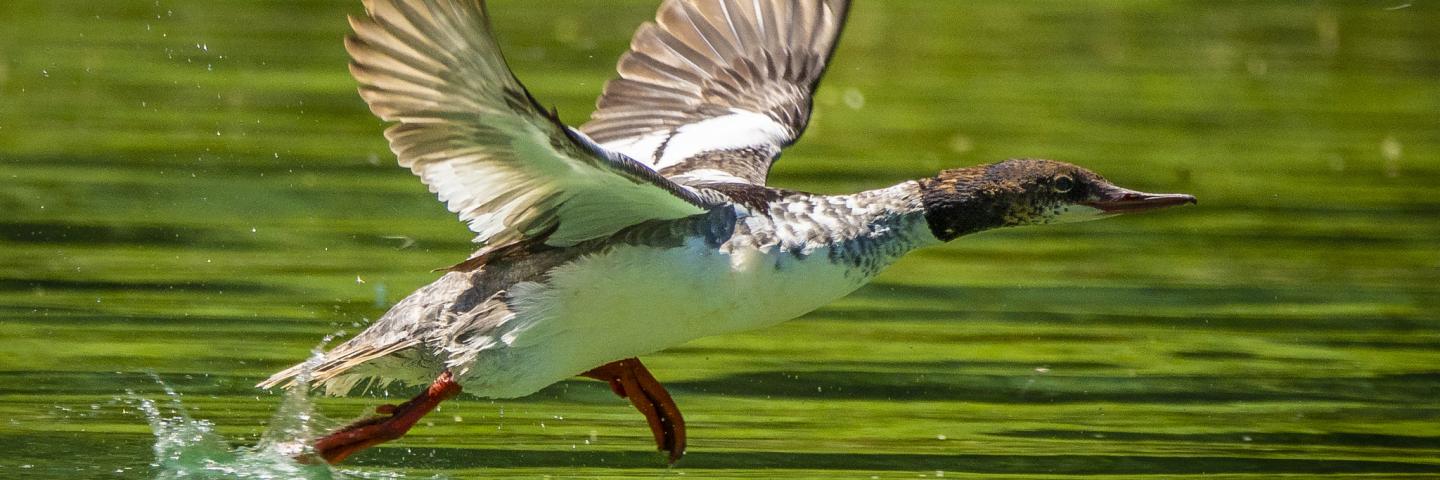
{"type": "Point", "coordinates": [194, 189]}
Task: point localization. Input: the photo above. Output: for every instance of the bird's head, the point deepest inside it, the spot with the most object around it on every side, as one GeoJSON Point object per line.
{"type": "Point", "coordinates": [1027, 192]}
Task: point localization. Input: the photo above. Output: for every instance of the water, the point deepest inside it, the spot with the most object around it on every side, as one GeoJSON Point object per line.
{"type": "Point", "coordinates": [189, 448]}
{"type": "Point", "coordinates": [195, 190]}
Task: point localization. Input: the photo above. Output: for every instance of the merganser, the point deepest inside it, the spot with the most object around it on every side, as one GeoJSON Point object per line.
{"type": "Point", "coordinates": [646, 227]}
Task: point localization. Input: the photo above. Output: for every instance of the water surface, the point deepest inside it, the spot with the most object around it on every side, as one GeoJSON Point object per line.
{"type": "Point", "coordinates": [194, 189]}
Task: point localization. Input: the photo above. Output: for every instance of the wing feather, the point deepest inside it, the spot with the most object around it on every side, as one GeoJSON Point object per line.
{"type": "Point", "coordinates": [477, 138]}
{"type": "Point", "coordinates": [718, 78]}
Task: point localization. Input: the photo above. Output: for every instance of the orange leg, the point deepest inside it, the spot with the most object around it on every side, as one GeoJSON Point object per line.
{"type": "Point", "coordinates": [629, 379]}
{"type": "Point", "coordinates": [396, 420]}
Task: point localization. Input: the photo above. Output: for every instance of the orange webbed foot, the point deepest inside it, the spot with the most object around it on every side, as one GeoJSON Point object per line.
{"type": "Point", "coordinates": [395, 421]}
{"type": "Point", "coordinates": [630, 379]}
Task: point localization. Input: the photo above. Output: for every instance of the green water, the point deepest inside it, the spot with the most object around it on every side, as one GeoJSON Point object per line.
{"type": "Point", "coordinates": [194, 189]}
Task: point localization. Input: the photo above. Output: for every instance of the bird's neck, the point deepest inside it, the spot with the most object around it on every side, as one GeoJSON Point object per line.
{"type": "Point", "coordinates": [895, 213]}
{"type": "Point", "coordinates": [877, 226]}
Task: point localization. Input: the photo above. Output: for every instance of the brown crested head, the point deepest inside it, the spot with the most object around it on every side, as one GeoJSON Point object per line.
{"type": "Point", "coordinates": [1027, 192]}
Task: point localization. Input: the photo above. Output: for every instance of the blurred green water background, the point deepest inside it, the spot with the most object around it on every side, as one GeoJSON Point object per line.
{"type": "Point", "coordinates": [194, 189]}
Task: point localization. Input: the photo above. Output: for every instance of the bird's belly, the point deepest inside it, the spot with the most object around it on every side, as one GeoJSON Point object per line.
{"type": "Point", "coordinates": [634, 300]}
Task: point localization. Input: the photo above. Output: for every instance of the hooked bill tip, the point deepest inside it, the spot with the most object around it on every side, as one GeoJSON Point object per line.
{"type": "Point", "coordinates": [1129, 201]}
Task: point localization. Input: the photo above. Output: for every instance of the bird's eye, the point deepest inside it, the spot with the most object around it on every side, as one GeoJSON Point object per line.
{"type": "Point", "coordinates": [1063, 184]}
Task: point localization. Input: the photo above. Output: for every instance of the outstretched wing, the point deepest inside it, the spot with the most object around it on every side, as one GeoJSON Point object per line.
{"type": "Point", "coordinates": [477, 138]}
{"type": "Point", "coordinates": [712, 90]}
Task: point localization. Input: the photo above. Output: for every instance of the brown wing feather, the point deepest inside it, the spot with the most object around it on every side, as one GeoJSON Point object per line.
{"type": "Point", "coordinates": [706, 59]}
{"type": "Point", "coordinates": [482, 143]}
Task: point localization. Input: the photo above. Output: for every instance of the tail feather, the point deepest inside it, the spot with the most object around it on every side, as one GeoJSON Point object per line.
{"type": "Point", "coordinates": [429, 331]}
{"type": "Point", "coordinates": [334, 363]}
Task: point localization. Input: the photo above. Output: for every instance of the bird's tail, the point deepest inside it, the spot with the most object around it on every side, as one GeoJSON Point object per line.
{"type": "Point", "coordinates": [336, 369]}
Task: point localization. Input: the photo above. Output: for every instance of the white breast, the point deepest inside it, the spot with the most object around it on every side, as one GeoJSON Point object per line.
{"type": "Point", "coordinates": [634, 300]}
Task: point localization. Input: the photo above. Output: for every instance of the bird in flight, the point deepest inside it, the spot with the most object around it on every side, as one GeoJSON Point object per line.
{"type": "Point", "coordinates": [646, 227]}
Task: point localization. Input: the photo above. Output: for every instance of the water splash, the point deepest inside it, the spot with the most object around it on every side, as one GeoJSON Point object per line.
{"type": "Point", "coordinates": [189, 448]}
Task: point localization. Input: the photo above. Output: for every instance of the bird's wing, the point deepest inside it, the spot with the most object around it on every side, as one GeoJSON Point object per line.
{"type": "Point", "coordinates": [477, 138]}
{"type": "Point", "coordinates": [712, 90]}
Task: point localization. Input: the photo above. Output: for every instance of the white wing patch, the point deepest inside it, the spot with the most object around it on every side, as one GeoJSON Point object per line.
{"type": "Point", "coordinates": [739, 129]}
{"type": "Point", "coordinates": [728, 79]}
{"type": "Point", "coordinates": [472, 132]}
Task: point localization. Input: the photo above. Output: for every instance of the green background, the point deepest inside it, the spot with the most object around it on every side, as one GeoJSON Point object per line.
{"type": "Point", "coordinates": [194, 189]}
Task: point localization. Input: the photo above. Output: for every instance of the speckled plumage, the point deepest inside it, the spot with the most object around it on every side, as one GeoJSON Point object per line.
{"type": "Point", "coordinates": [466, 315]}
{"type": "Point", "coordinates": [662, 232]}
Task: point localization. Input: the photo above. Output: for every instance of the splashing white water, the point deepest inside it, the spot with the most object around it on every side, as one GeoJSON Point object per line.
{"type": "Point", "coordinates": [189, 448]}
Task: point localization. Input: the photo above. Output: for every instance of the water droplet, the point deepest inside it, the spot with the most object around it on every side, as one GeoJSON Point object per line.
{"type": "Point", "coordinates": [961, 143]}
{"type": "Point", "coordinates": [853, 98]}
{"type": "Point", "coordinates": [1391, 149]}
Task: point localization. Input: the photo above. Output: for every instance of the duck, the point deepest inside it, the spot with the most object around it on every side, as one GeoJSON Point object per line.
{"type": "Point", "coordinates": [646, 227]}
